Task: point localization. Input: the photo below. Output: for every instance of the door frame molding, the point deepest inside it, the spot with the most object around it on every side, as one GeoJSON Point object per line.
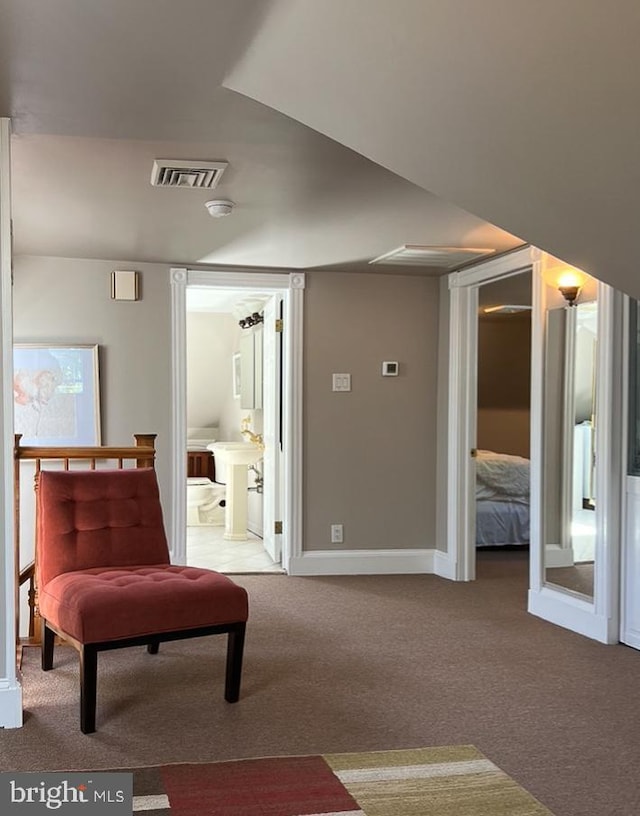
{"type": "Point", "coordinates": [598, 619]}
{"type": "Point", "coordinates": [10, 686]}
{"type": "Point", "coordinates": [291, 287]}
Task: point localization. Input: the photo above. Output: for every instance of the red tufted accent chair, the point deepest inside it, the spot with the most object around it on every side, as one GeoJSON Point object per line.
{"type": "Point", "coordinates": [105, 581]}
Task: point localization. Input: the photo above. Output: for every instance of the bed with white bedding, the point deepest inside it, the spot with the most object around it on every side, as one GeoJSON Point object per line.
{"type": "Point", "coordinates": [502, 499]}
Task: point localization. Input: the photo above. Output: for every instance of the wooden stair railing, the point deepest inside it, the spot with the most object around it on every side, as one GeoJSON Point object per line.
{"type": "Point", "coordinates": [143, 454]}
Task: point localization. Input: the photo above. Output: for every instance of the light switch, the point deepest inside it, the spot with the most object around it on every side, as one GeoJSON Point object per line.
{"type": "Point", "coordinates": [342, 382]}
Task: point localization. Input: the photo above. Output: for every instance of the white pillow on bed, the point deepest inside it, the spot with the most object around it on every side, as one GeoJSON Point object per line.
{"type": "Point", "coordinates": [501, 474]}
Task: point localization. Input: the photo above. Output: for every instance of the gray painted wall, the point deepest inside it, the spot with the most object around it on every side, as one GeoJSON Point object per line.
{"type": "Point", "coordinates": [63, 300]}
{"type": "Point", "coordinates": [370, 455]}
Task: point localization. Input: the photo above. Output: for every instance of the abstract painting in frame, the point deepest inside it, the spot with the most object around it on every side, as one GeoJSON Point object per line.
{"type": "Point", "coordinates": [56, 394]}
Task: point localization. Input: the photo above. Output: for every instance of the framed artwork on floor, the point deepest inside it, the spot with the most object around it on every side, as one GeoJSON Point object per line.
{"type": "Point", "coordinates": [56, 394]}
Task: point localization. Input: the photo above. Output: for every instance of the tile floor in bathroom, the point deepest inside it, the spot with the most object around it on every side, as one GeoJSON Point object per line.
{"type": "Point", "coordinates": [207, 548]}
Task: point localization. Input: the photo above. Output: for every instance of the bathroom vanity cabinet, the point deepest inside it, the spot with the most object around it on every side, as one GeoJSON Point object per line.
{"type": "Point", "coordinates": [201, 464]}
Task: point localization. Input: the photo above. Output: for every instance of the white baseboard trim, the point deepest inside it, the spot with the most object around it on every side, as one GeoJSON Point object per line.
{"type": "Point", "coordinates": [443, 565]}
{"type": "Point", "coordinates": [363, 562]}
{"type": "Point", "coordinates": [557, 556]}
{"type": "Point", "coordinates": [10, 704]}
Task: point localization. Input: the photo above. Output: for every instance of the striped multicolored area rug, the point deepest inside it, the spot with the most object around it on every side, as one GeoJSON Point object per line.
{"type": "Point", "coordinates": [451, 781]}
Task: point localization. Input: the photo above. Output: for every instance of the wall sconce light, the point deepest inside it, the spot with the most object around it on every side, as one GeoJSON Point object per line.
{"type": "Point", "coordinates": [251, 320]}
{"type": "Point", "coordinates": [569, 285]}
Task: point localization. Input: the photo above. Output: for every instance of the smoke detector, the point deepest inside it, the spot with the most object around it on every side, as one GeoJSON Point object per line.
{"type": "Point", "coordinates": [219, 207]}
{"type": "Point", "coordinates": [195, 175]}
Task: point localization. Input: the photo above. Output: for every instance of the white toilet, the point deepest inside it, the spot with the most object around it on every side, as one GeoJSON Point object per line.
{"type": "Point", "coordinates": [205, 501]}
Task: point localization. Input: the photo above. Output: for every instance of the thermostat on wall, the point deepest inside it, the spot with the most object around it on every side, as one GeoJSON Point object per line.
{"type": "Point", "coordinates": [389, 369]}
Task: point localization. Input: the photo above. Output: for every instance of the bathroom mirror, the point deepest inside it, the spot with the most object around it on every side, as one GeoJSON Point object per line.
{"type": "Point", "coordinates": [251, 351]}
{"type": "Point", "coordinates": [569, 449]}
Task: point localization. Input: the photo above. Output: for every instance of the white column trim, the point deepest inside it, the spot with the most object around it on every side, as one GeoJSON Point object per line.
{"type": "Point", "coordinates": [292, 425]}
{"type": "Point", "coordinates": [536, 447]}
{"type": "Point", "coordinates": [609, 458]}
{"type": "Point", "coordinates": [461, 434]}
{"type": "Point", "coordinates": [10, 688]}
{"type": "Point", "coordinates": [178, 535]}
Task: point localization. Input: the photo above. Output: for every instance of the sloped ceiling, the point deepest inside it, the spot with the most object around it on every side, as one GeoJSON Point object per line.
{"type": "Point", "coordinates": [97, 90]}
{"type": "Point", "coordinates": [524, 113]}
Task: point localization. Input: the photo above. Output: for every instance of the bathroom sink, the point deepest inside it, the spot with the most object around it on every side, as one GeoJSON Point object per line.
{"type": "Point", "coordinates": [236, 458]}
{"type": "Point", "coordinates": [236, 453]}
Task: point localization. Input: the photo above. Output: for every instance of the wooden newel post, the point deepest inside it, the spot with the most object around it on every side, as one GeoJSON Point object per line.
{"type": "Point", "coordinates": [146, 441]}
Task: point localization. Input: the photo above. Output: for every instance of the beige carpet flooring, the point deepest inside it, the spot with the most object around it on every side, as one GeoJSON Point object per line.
{"type": "Point", "coordinates": [360, 664]}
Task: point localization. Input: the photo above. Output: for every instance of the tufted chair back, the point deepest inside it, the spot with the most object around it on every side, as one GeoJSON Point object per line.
{"type": "Point", "coordinates": [100, 518]}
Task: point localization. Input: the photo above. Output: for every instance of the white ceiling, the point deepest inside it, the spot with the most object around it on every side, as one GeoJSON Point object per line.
{"type": "Point", "coordinates": [337, 117]}
{"type": "Point", "coordinates": [96, 91]}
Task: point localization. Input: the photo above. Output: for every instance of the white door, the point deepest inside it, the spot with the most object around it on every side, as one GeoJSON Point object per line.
{"type": "Point", "coordinates": [591, 609]}
{"type": "Point", "coordinates": [630, 601]}
{"type": "Point", "coordinates": [272, 427]}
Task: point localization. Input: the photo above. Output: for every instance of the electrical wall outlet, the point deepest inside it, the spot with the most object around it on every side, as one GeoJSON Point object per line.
{"type": "Point", "coordinates": [337, 535]}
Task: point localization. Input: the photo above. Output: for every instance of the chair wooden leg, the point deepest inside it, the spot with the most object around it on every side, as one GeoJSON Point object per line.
{"type": "Point", "coordinates": [153, 647]}
{"type": "Point", "coordinates": [235, 648]}
{"type": "Point", "coordinates": [88, 688]}
{"type": "Point", "coordinates": [46, 647]}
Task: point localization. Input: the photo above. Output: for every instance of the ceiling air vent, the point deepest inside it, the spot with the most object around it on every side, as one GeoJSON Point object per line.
{"type": "Point", "coordinates": [441, 256]}
{"type": "Point", "coordinates": [197, 175]}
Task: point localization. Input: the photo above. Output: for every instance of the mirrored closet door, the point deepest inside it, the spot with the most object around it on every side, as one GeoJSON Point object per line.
{"type": "Point", "coordinates": [577, 397]}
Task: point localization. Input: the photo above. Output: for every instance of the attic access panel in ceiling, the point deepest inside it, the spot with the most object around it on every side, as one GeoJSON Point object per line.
{"type": "Point", "coordinates": [443, 257]}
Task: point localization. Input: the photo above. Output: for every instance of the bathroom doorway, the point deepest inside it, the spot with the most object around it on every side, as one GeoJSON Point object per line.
{"type": "Point", "coordinates": [228, 390]}
{"type": "Point", "coordinates": [236, 375]}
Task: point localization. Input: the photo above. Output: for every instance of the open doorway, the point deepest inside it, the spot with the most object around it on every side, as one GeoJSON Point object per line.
{"type": "Point", "coordinates": [503, 430]}
{"type": "Point", "coordinates": [274, 432]}
{"type": "Point", "coordinates": [229, 391]}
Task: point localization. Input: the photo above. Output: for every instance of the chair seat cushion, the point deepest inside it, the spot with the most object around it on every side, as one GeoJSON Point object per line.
{"type": "Point", "coordinates": [104, 604]}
